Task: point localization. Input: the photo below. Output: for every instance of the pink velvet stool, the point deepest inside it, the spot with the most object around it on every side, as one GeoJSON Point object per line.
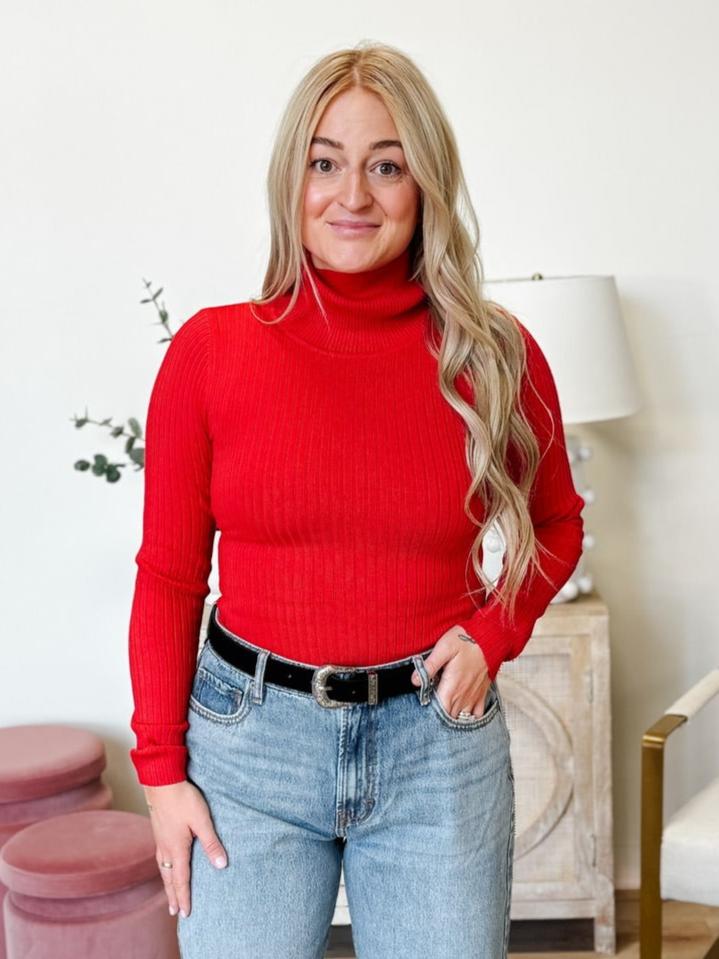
{"type": "Point", "coordinates": [85, 885]}
{"type": "Point", "coordinates": [46, 770]}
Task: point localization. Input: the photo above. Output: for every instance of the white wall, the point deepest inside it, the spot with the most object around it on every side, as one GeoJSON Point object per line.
{"type": "Point", "coordinates": [135, 143]}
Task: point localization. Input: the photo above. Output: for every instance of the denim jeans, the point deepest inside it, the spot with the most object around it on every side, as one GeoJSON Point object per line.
{"type": "Point", "coordinates": [416, 806]}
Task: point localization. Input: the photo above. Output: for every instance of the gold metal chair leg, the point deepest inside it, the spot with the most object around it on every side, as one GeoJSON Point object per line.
{"type": "Point", "coordinates": [650, 902]}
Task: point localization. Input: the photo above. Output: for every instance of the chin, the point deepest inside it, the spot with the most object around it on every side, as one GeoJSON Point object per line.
{"type": "Point", "coordinates": [346, 261]}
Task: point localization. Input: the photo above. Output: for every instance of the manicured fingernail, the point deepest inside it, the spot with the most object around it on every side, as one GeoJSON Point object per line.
{"type": "Point", "coordinates": [220, 862]}
{"type": "Point", "coordinates": [173, 910]}
{"type": "Point", "coordinates": [183, 913]}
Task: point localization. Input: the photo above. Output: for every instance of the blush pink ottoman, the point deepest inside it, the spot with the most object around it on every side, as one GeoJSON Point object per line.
{"type": "Point", "coordinates": [86, 885]}
{"type": "Point", "coordinates": [46, 770]}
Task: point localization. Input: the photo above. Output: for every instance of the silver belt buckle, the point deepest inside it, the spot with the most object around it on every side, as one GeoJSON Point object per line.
{"type": "Point", "coordinates": [319, 686]}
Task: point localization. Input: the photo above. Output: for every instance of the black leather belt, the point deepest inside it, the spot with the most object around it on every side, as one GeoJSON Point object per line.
{"type": "Point", "coordinates": [367, 684]}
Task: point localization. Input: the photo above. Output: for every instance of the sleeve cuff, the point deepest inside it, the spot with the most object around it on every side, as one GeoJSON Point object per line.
{"type": "Point", "coordinates": [160, 766]}
{"type": "Point", "coordinates": [498, 640]}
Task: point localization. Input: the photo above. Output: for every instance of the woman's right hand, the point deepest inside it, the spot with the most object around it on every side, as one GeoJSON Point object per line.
{"type": "Point", "coordinates": [179, 812]}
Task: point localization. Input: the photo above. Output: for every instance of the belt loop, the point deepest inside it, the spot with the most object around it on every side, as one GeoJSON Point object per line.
{"type": "Point", "coordinates": [258, 681]}
{"type": "Point", "coordinates": [424, 691]}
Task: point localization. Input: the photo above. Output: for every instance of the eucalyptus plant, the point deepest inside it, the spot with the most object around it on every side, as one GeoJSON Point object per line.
{"type": "Point", "coordinates": [134, 451]}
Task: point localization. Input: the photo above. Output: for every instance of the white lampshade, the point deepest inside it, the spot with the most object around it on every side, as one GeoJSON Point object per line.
{"type": "Point", "coordinates": [577, 322]}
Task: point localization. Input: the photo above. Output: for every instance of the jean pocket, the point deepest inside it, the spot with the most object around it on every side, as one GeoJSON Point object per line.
{"type": "Point", "coordinates": [218, 698]}
{"type": "Point", "coordinates": [491, 708]}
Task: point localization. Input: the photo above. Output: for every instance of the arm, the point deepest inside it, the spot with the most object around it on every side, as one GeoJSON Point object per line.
{"type": "Point", "coordinates": [174, 559]}
{"type": "Point", "coordinates": [555, 508]}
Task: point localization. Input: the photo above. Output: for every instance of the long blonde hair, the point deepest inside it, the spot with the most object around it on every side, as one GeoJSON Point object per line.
{"type": "Point", "coordinates": [479, 339]}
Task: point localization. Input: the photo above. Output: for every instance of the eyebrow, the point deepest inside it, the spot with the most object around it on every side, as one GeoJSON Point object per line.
{"type": "Point", "coordinates": [377, 145]}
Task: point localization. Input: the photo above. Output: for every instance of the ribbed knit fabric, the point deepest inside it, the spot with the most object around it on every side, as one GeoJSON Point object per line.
{"type": "Point", "coordinates": [325, 454]}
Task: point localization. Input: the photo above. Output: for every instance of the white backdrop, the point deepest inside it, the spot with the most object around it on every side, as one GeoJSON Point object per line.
{"type": "Point", "coordinates": [136, 137]}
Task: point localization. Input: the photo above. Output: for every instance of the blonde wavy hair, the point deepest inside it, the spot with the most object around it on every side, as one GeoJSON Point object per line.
{"type": "Point", "coordinates": [478, 338]}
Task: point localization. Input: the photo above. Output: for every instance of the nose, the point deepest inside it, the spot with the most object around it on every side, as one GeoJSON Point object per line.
{"type": "Point", "coordinates": [355, 193]}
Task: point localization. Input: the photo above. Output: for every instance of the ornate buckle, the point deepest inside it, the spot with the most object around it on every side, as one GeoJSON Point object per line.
{"type": "Point", "coordinates": [320, 687]}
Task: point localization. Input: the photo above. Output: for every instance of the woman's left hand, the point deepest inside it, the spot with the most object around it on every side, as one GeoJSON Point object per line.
{"type": "Point", "coordinates": [464, 682]}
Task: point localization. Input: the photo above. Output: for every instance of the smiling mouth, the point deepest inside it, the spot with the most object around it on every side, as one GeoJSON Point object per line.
{"type": "Point", "coordinates": [360, 227]}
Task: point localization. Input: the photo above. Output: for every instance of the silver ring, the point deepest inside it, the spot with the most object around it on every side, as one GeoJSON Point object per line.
{"type": "Point", "coordinates": [466, 715]}
{"type": "Point", "coordinates": [166, 865]}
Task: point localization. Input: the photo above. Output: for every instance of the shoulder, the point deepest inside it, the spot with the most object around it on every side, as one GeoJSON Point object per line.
{"type": "Point", "coordinates": [232, 323]}
{"type": "Point", "coordinates": [537, 364]}
{"type": "Point", "coordinates": [204, 334]}
{"type": "Point", "coordinates": [538, 377]}
{"type": "Point", "coordinates": [188, 349]}
{"type": "Point", "coordinates": [194, 331]}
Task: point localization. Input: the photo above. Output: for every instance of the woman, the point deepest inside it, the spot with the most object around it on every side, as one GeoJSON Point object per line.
{"type": "Point", "coordinates": [352, 433]}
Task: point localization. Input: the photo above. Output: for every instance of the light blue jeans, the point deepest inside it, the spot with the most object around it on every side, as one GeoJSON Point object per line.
{"type": "Point", "coordinates": [415, 805]}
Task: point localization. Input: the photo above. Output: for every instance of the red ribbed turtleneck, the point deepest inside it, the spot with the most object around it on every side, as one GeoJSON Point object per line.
{"type": "Point", "coordinates": [324, 453]}
{"type": "Point", "coordinates": [367, 312]}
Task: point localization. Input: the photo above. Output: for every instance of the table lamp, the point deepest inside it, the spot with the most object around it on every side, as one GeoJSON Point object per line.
{"type": "Point", "coordinates": [577, 322]}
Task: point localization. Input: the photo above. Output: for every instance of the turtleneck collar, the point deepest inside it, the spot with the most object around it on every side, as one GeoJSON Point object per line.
{"type": "Point", "coordinates": [373, 311]}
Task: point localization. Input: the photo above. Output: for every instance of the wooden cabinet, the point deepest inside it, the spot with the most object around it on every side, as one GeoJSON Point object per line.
{"type": "Point", "coordinates": [557, 698]}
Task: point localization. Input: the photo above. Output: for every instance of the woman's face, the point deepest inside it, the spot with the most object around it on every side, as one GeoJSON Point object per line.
{"type": "Point", "coordinates": [357, 174]}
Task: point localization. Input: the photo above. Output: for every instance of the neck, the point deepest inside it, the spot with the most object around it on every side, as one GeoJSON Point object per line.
{"type": "Point", "coordinates": [373, 311]}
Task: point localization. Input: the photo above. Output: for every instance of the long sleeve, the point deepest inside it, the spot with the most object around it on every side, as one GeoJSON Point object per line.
{"type": "Point", "coordinates": [555, 508]}
{"type": "Point", "coordinates": [174, 559]}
